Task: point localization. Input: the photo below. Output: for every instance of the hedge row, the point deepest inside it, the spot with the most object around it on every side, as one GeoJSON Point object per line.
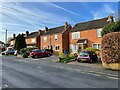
{"type": "Point", "coordinates": [111, 48]}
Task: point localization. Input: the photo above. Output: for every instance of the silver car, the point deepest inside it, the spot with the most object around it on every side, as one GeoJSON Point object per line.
{"type": "Point", "coordinates": [8, 52]}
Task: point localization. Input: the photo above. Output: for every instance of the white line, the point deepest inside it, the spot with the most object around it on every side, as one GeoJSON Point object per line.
{"type": "Point", "coordinates": [6, 85]}
{"type": "Point", "coordinates": [112, 77]}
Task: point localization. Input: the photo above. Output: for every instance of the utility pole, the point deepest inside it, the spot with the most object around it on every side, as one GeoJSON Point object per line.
{"type": "Point", "coordinates": [6, 37]}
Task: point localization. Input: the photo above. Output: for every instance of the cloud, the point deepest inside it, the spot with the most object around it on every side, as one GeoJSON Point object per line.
{"type": "Point", "coordinates": [63, 9]}
{"type": "Point", "coordinates": [104, 11]}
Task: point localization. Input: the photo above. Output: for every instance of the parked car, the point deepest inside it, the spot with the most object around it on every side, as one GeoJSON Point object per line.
{"type": "Point", "coordinates": [39, 53]}
{"type": "Point", "coordinates": [8, 52]}
{"type": "Point", "coordinates": [88, 56]}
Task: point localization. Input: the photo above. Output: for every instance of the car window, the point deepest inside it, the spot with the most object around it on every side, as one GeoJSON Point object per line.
{"type": "Point", "coordinates": [84, 54]}
{"type": "Point", "coordinates": [42, 50]}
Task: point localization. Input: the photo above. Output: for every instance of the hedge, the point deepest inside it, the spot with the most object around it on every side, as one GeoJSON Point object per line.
{"type": "Point", "coordinates": [111, 48]}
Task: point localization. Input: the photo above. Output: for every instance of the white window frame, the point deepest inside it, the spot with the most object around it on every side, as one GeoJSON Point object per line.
{"type": "Point", "coordinates": [75, 35]}
{"type": "Point", "coordinates": [58, 49]}
{"type": "Point", "coordinates": [45, 39]}
{"type": "Point", "coordinates": [33, 40]}
{"type": "Point", "coordinates": [56, 37]}
{"type": "Point", "coordinates": [99, 33]}
{"type": "Point", "coordinates": [76, 47]}
{"type": "Point", "coordinates": [97, 45]}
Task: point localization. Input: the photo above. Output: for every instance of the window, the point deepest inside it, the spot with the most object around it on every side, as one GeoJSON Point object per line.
{"type": "Point", "coordinates": [45, 39]}
{"type": "Point", "coordinates": [99, 33]}
{"type": "Point", "coordinates": [74, 48]}
{"type": "Point", "coordinates": [57, 47]}
{"type": "Point", "coordinates": [75, 35]}
{"type": "Point", "coordinates": [97, 46]}
{"type": "Point", "coordinates": [56, 37]}
{"type": "Point", "coordinates": [33, 40]}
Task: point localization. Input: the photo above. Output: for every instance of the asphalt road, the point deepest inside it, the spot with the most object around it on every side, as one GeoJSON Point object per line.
{"type": "Point", "coordinates": [27, 73]}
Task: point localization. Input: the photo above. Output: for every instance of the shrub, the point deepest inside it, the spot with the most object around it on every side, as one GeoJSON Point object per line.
{"type": "Point", "coordinates": [25, 55]}
{"type": "Point", "coordinates": [92, 49]}
{"type": "Point", "coordinates": [62, 55]}
{"type": "Point", "coordinates": [110, 48]}
{"type": "Point", "coordinates": [111, 27]}
{"type": "Point", "coordinates": [22, 51]}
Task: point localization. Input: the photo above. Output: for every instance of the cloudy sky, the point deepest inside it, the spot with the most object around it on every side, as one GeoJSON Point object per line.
{"type": "Point", "coordinates": [18, 17]}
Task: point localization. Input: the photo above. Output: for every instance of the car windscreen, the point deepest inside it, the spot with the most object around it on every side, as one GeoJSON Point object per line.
{"type": "Point", "coordinates": [84, 53]}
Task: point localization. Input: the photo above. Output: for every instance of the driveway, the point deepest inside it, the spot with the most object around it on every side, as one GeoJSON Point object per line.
{"type": "Point", "coordinates": [44, 73]}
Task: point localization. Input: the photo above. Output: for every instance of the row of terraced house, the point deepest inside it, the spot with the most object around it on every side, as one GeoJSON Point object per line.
{"type": "Point", "coordinates": [68, 38]}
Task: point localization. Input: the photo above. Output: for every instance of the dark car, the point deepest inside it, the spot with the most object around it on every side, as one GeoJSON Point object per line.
{"type": "Point", "coordinates": [88, 56]}
{"type": "Point", "coordinates": [8, 52]}
{"type": "Point", "coordinates": [39, 53]}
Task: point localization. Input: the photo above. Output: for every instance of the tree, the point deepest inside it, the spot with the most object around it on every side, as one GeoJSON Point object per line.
{"type": "Point", "coordinates": [111, 27]}
{"type": "Point", "coordinates": [20, 42]}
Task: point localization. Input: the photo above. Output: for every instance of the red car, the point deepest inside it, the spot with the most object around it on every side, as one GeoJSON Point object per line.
{"type": "Point", "coordinates": [39, 53]}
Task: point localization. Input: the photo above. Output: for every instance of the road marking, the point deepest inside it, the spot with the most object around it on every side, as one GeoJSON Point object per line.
{"type": "Point", "coordinates": [112, 77]}
{"type": "Point", "coordinates": [90, 72]}
{"type": "Point", "coordinates": [6, 86]}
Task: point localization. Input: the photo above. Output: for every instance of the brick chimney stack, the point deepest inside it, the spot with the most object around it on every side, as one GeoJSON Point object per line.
{"type": "Point", "coordinates": [46, 29]}
{"type": "Point", "coordinates": [66, 25]}
{"type": "Point", "coordinates": [27, 33]}
{"type": "Point", "coordinates": [14, 35]}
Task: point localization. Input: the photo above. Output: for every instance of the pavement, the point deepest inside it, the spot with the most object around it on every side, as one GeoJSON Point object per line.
{"type": "Point", "coordinates": [46, 73]}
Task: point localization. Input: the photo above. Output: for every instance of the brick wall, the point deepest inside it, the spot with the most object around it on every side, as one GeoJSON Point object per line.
{"type": "Point", "coordinates": [91, 35]}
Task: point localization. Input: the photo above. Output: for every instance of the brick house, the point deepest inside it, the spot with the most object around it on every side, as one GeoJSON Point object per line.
{"type": "Point", "coordinates": [56, 38]}
{"type": "Point", "coordinates": [87, 34]}
{"type": "Point", "coordinates": [11, 42]}
{"type": "Point", "coordinates": [33, 39]}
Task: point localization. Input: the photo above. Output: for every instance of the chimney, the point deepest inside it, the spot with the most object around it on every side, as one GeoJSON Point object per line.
{"type": "Point", "coordinates": [110, 19]}
{"type": "Point", "coordinates": [39, 32]}
{"type": "Point", "coordinates": [66, 25]}
{"type": "Point", "coordinates": [46, 29]}
{"type": "Point", "coordinates": [14, 35]}
{"type": "Point", "coordinates": [27, 33]}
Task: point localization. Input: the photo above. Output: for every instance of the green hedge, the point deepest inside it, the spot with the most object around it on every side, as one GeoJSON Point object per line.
{"type": "Point", "coordinates": [111, 48]}
{"type": "Point", "coordinates": [92, 49]}
{"type": "Point", "coordinates": [111, 27]}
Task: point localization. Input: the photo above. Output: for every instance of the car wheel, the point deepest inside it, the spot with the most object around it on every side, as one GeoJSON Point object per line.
{"type": "Point", "coordinates": [78, 60]}
{"type": "Point", "coordinates": [91, 61]}
{"type": "Point", "coordinates": [48, 55]}
{"type": "Point", "coordinates": [36, 56]}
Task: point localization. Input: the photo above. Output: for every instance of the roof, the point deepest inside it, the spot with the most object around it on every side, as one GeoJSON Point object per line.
{"type": "Point", "coordinates": [82, 40]}
{"type": "Point", "coordinates": [32, 35]}
{"type": "Point", "coordinates": [55, 30]}
{"type": "Point", "coordinates": [99, 23]}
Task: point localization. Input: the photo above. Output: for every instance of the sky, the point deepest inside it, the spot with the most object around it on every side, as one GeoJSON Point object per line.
{"type": "Point", "coordinates": [19, 17]}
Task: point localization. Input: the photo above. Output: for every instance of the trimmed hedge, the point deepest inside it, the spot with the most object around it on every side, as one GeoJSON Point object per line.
{"type": "Point", "coordinates": [111, 48]}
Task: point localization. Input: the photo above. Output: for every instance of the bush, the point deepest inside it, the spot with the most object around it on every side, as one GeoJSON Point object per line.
{"type": "Point", "coordinates": [62, 55]}
{"type": "Point", "coordinates": [27, 50]}
{"type": "Point", "coordinates": [110, 48]}
{"type": "Point", "coordinates": [92, 49]}
{"type": "Point", "coordinates": [25, 55]}
{"type": "Point", "coordinates": [111, 27]}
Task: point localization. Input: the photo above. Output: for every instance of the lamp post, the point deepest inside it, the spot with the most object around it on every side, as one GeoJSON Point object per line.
{"type": "Point", "coordinates": [6, 36]}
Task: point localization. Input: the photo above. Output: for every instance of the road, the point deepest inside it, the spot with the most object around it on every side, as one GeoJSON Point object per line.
{"type": "Point", "coordinates": [27, 73]}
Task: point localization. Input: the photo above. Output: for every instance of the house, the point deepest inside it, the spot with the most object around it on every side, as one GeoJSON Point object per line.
{"type": "Point", "coordinates": [33, 39]}
{"type": "Point", "coordinates": [87, 34]}
{"type": "Point", "coordinates": [2, 44]}
{"type": "Point", "coordinates": [11, 42]}
{"type": "Point", "coordinates": [56, 38]}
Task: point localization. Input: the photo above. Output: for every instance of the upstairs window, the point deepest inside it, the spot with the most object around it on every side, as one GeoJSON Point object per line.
{"type": "Point", "coordinates": [45, 39]}
{"type": "Point", "coordinates": [75, 35]}
{"type": "Point", "coordinates": [56, 37]}
{"type": "Point", "coordinates": [99, 33]}
{"type": "Point", "coordinates": [33, 40]}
